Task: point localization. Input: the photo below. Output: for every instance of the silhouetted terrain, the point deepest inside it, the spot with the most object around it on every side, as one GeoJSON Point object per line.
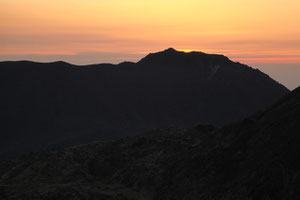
{"type": "Point", "coordinates": [57, 104]}
{"type": "Point", "coordinates": [256, 159]}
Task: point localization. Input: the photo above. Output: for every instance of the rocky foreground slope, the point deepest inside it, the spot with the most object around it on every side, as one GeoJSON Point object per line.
{"type": "Point", "coordinates": [254, 159]}
{"type": "Point", "coordinates": [45, 105]}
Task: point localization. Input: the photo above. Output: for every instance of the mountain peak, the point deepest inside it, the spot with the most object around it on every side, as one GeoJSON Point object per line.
{"type": "Point", "coordinates": [171, 56]}
{"type": "Point", "coordinates": [170, 50]}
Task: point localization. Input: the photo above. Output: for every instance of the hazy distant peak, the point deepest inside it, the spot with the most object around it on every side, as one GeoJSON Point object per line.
{"type": "Point", "coordinates": [60, 62]}
{"type": "Point", "coordinates": [170, 50]}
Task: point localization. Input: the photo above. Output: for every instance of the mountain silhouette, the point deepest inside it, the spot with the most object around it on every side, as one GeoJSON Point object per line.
{"type": "Point", "coordinates": [256, 158]}
{"type": "Point", "coordinates": [45, 105]}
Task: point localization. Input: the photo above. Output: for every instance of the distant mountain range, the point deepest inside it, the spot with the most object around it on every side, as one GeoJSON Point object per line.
{"type": "Point", "coordinates": [45, 105]}
{"type": "Point", "coordinates": [256, 159]}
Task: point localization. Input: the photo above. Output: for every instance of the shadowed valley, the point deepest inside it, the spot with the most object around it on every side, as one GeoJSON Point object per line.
{"type": "Point", "coordinates": [255, 158]}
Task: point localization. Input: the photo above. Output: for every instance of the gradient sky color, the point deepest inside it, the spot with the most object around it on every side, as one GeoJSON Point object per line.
{"type": "Point", "coordinates": [93, 31]}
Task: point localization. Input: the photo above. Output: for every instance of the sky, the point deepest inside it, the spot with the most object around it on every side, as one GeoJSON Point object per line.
{"type": "Point", "coordinates": [263, 34]}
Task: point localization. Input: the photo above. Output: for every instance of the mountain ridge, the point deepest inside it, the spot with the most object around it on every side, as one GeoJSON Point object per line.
{"type": "Point", "coordinates": [47, 105]}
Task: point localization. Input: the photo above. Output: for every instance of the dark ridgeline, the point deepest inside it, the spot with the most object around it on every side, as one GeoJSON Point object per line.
{"type": "Point", "coordinates": [256, 159]}
{"type": "Point", "coordinates": [57, 104]}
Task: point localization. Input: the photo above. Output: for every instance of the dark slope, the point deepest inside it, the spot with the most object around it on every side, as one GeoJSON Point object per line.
{"type": "Point", "coordinates": [58, 104]}
{"type": "Point", "coordinates": [254, 159]}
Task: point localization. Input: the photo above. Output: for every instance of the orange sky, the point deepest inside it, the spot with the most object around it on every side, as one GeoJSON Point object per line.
{"type": "Point", "coordinates": [246, 30]}
{"type": "Point", "coordinates": [93, 31]}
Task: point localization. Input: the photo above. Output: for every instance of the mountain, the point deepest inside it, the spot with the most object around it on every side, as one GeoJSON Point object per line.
{"type": "Point", "coordinates": [256, 158]}
{"type": "Point", "coordinates": [45, 105]}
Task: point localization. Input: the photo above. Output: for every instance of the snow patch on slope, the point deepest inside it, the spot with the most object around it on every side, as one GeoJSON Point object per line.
{"type": "Point", "coordinates": [214, 70]}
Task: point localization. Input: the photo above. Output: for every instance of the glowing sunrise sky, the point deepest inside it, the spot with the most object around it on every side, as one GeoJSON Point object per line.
{"type": "Point", "coordinates": [93, 31]}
